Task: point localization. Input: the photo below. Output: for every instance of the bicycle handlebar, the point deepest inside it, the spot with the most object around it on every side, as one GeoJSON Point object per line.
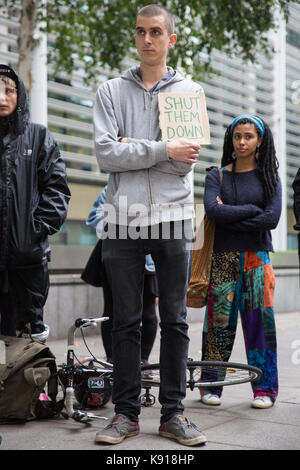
{"type": "Point", "coordinates": [83, 322]}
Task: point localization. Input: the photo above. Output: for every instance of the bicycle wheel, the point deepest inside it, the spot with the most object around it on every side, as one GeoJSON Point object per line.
{"type": "Point", "coordinates": [206, 373]}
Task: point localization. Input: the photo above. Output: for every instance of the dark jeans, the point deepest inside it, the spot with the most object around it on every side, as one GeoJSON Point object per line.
{"type": "Point", "coordinates": [124, 261]}
{"type": "Point", "coordinates": [149, 319]}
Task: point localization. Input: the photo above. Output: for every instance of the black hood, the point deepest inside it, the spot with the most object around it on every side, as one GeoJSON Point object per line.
{"type": "Point", "coordinates": [17, 121]}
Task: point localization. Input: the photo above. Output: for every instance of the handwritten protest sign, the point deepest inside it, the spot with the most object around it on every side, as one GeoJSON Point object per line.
{"type": "Point", "coordinates": [184, 115]}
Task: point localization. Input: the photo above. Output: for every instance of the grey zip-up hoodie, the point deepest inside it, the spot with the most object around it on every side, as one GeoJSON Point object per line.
{"type": "Point", "coordinates": [145, 187]}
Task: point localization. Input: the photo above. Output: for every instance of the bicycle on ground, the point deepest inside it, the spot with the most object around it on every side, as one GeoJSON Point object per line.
{"type": "Point", "coordinates": [87, 383]}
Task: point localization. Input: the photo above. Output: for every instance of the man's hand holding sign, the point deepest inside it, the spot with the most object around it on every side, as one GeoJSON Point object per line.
{"type": "Point", "coordinates": [184, 124]}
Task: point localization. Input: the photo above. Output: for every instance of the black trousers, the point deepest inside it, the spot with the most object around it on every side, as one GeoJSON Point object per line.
{"type": "Point", "coordinates": [124, 261]}
{"type": "Point", "coordinates": [149, 317]}
{"type": "Point", "coordinates": [25, 299]}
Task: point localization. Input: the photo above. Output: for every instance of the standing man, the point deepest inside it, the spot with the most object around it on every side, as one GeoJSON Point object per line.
{"type": "Point", "coordinates": [148, 198]}
{"type": "Point", "coordinates": [34, 198]}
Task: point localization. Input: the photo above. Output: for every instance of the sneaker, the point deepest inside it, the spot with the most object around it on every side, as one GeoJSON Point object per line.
{"type": "Point", "coordinates": [41, 337]}
{"type": "Point", "coordinates": [183, 430]}
{"type": "Point", "coordinates": [119, 428]}
{"type": "Point", "coordinates": [210, 399]}
{"type": "Point", "coordinates": [262, 402]}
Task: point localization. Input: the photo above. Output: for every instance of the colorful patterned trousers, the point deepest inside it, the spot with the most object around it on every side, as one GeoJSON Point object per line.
{"type": "Point", "coordinates": [242, 281]}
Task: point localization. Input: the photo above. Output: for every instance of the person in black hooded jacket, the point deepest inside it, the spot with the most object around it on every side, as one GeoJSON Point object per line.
{"type": "Point", "coordinates": [34, 198]}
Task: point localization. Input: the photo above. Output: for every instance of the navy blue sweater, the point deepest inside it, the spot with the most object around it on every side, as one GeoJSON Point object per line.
{"type": "Point", "coordinates": [243, 225]}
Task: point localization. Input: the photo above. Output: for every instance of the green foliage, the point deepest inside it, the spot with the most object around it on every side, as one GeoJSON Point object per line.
{"type": "Point", "coordinates": [100, 32]}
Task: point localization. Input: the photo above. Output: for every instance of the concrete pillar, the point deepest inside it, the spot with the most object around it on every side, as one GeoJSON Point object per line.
{"type": "Point", "coordinates": [39, 91]}
{"type": "Point", "coordinates": [279, 130]}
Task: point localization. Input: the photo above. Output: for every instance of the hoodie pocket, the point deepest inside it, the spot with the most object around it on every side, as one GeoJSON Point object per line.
{"type": "Point", "coordinates": [132, 193]}
{"type": "Point", "coordinates": [168, 188]}
{"type": "Point", "coordinates": [25, 242]}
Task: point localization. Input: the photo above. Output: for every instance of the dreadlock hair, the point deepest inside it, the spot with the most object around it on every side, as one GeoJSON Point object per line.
{"type": "Point", "coordinates": [267, 162]}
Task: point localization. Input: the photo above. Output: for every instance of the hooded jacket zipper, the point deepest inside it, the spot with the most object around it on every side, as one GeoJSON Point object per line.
{"type": "Point", "coordinates": [150, 94]}
{"type": "Point", "coordinates": [149, 183]}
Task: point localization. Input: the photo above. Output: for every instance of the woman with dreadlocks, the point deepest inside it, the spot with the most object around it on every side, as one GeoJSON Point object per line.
{"type": "Point", "coordinates": [246, 206]}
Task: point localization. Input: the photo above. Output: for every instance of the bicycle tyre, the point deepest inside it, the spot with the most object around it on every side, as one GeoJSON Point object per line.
{"type": "Point", "coordinates": [206, 374]}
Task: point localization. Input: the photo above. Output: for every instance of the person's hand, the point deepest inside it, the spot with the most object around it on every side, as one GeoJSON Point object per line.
{"type": "Point", "coordinates": [122, 139]}
{"type": "Point", "coordinates": [219, 200]}
{"type": "Point", "coordinates": [183, 150]}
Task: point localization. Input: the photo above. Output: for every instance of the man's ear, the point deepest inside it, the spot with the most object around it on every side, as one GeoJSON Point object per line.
{"type": "Point", "coordinates": [172, 40]}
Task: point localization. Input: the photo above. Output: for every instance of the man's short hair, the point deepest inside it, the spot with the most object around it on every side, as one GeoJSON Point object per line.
{"type": "Point", "coordinates": [158, 10]}
{"type": "Point", "coordinates": [8, 81]}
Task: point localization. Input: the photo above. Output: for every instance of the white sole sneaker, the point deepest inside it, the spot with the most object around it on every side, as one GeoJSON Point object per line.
{"type": "Point", "coordinates": [211, 399]}
{"type": "Point", "coordinates": [41, 337]}
{"type": "Point", "coordinates": [262, 402]}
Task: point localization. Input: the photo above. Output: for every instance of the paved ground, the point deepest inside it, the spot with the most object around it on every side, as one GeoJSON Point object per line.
{"type": "Point", "coordinates": [232, 426]}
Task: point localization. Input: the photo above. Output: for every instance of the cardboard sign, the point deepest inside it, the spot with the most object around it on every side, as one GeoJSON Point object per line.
{"type": "Point", "coordinates": [184, 115]}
